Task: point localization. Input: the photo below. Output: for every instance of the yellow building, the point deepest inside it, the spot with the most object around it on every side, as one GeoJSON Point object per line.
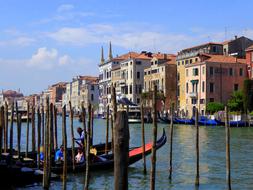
{"type": "Point", "coordinates": [186, 57]}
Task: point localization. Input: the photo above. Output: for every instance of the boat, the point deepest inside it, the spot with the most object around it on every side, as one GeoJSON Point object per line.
{"type": "Point", "coordinates": [184, 121]}
{"type": "Point", "coordinates": [134, 115]}
{"type": "Point", "coordinates": [106, 162]}
{"type": "Point", "coordinates": [238, 123]}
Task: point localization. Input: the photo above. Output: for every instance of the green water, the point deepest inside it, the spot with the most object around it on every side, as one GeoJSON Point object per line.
{"type": "Point", "coordinates": [212, 159]}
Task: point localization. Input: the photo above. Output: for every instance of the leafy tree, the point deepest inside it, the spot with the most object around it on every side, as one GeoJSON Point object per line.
{"type": "Point", "coordinates": [235, 103]}
{"type": "Point", "coordinates": [248, 95]}
{"type": "Point", "coordinates": [213, 107]}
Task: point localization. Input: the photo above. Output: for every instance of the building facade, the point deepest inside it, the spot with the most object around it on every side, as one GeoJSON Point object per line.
{"type": "Point", "coordinates": [212, 79]}
{"type": "Point", "coordinates": [163, 74]}
{"type": "Point", "coordinates": [187, 57]}
{"type": "Point", "coordinates": [249, 60]}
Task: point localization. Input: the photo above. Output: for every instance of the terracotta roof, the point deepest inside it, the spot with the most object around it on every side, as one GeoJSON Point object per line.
{"type": "Point", "coordinates": [222, 59]}
{"type": "Point", "coordinates": [12, 93]}
{"type": "Point", "coordinates": [163, 56]}
{"type": "Point", "coordinates": [126, 56]}
{"type": "Point", "coordinates": [205, 44]}
{"type": "Point", "coordinates": [89, 78]}
{"type": "Point", "coordinates": [250, 48]}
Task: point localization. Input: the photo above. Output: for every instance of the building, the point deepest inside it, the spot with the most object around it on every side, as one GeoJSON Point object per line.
{"type": "Point", "coordinates": [237, 46]}
{"type": "Point", "coordinates": [163, 74]}
{"type": "Point", "coordinates": [187, 57]}
{"type": "Point", "coordinates": [56, 92]}
{"type": "Point", "coordinates": [90, 93]}
{"type": "Point", "coordinates": [105, 76]}
{"type": "Point", "coordinates": [249, 60]}
{"type": "Point", "coordinates": [212, 79]}
{"type": "Point", "coordinates": [10, 96]}
{"type": "Point", "coordinates": [132, 75]}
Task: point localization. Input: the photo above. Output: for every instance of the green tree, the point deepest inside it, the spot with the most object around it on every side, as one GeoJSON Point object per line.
{"type": "Point", "coordinates": [235, 103]}
{"type": "Point", "coordinates": [213, 107]}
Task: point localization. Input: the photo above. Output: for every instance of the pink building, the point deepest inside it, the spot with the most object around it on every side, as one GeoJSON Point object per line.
{"type": "Point", "coordinates": [249, 60]}
{"type": "Point", "coordinates": [212, 79]}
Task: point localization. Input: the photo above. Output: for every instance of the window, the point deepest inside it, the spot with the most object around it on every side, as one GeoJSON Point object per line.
{"type": "Point", "coordinates": [202, 112]}
{"type": "Point", "coordinates": [203, 70]}
{"type": "Point", "coordinates": [211, 71]}
{"type": "Point", "coordinates": [138, 100]}
{"type": "Point", "coordinates": [178, 90]}
{"type": "Point", "coordinates": [214, 49]}
{"type": "Point", "coordinates": [190, 61]}
{"type": "Point", "coordinates": [211, 100]}
{"type": "Point", "coordinates": [230, 71]}
{"type": "Point", "coordinates": [194, 101]}
{"type": "Point", "coordinates": [241, 72]}
{"type": "Point", "coordinates": [203, 86]}
{"type": "Point", "coordinates": [92, 87]}
{"type": "Point", "coordinates": [140, 89]}
{"type": "Point", "coordinates": [211, 87]}
{"type": "Point", "coordinates": [178, 63]}
{"type": "Point", "coordinates": [186, 62]}
{"type": "Point", "coordinates": [145, 73]}
{"type": "Point", "coordinates": [138, 75]}
{"type": "Point", "coordinates": [195, 71]}
{"type": "Point", "coordinates": [138, 62]}
{"type": "Point", "coordinates": [130, 89]}
{"type": "Point", "coordinates": [202, 101]}
{"type": "Point", "coordinates": [187, 87]}
{"type": "Point", "coordinates": [183, 62]}
{"type": "Point", "coordinates": [236, 87]}
{"type": "Point", "coordinates": [178, 76]}
{"type": "Point", "coordinates": [187, 72]}
{"type": "Point", "coordinates": [196, 59]}
{"type": "Point", "coordinates": [92, 97]}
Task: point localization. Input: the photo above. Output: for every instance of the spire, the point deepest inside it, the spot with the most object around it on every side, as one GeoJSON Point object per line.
{"type": "Point", "coordinates": [102, 55]}
{"type": "Point", "coordinates": [110, 51]}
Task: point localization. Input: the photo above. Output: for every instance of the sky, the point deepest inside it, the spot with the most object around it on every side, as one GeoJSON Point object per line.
{"type": "Point", "coordinates": [43, 42]}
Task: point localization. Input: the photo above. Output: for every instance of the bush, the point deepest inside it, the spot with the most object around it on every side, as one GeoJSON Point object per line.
{"type": "Point", "coordinates": [213, 107]}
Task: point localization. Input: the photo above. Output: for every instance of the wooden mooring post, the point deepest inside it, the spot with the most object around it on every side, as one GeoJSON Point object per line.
{"type": "Point", "coordinates": [153, 156]}
{"type": "Point", "coordinates": [107, 130]}
{"type": "Point", "coordinates": [19, 133]}
{"type": "Point", "coordinates": [197, 146]}
{"type": "Point", "coordinates": [228, 171]}
{"type": "Point", "coordinates": [171, 141]}
{"type": "Point", "coordinates": [1, 129]}
{"type": "Point", "coordinates": [87, 171]}
{"type": "Point", "coordinates": [143, 139]}
{"type": "Point", "coordinates": [38, 136]}
{"type": "Point", "coordinates": [64, 134]}
{"type": "Point", "coordinates": [6, 127]}
{"type": "Point", "coordinates": [27, 129]}
{"type": "Point", "coordinates": [46, 182]}
{"type": "Point", "coordinates": [114, 114]}
{"type": "Point", "coordinates": [72, 136]}
{"type": "Point", "coordinates": [121, 148]}
{"type": "Point", "coordinates": [42, 124]}
{"type": "Point", "coordinates": [55, 129]}
{"type": "Point", "coordinates": [33, 129]}
{"type": "Point", "coordinates": [11, 132]}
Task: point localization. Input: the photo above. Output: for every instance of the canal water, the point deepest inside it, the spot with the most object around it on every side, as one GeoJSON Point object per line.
{"type": "Point", "coordinates": [212, 159]}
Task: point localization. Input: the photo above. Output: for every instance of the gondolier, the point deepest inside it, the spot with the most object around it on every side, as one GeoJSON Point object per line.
{"type": "Point", "coordinates": [82, 138]}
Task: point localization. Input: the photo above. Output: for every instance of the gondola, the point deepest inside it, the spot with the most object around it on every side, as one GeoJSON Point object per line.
{"type": "Point", "coordinates": [105, 162]}
{"type": "Point", "coordinates": [184, 121]}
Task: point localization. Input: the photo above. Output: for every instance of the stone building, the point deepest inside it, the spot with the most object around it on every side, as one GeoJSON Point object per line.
{"type": "Point", "coordinates": [189, 56]}
{"type": "Point", "coordinates": [212, 79]}
{"type": "Point", "coordinates": [163, 74]}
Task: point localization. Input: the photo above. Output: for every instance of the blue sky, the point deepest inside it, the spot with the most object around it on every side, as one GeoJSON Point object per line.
{"type": "Point", "coordinates": [43, 42]}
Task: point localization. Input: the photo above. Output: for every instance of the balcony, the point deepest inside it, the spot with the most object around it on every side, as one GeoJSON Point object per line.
{"type": "Point", "coordinates": [193, 94]}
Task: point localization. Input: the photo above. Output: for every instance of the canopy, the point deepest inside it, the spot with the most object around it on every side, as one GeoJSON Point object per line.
{"type": "Point", "coordinates": [125, 101]}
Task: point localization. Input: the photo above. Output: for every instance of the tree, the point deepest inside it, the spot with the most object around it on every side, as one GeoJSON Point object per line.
{"type": "Point", "coordinates": [235, 103]}
{"type": "Point", "coordinates": [213, 107]}
{"type": "Point", "coordinates": [248, 95]}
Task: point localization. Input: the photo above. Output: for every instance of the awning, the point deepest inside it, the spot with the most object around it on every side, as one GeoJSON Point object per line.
{"type": "Point", "coordinates": [125, 101]}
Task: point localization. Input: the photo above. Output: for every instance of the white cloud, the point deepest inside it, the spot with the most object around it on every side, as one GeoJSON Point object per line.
{"type": "Point", "coordinates": [19, 41]}
{"type": "Point", "coordinates": [65, 59]}
{"type": "Point", "coordinates": [65, 7]}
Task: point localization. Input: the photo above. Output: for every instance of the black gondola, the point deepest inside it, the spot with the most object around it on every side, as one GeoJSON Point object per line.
{"type": "Point", "coordinates": [107, 161]}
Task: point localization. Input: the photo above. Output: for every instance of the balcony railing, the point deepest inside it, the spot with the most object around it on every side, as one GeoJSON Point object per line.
{"type": "Point", "coordinates": [193, 94]}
